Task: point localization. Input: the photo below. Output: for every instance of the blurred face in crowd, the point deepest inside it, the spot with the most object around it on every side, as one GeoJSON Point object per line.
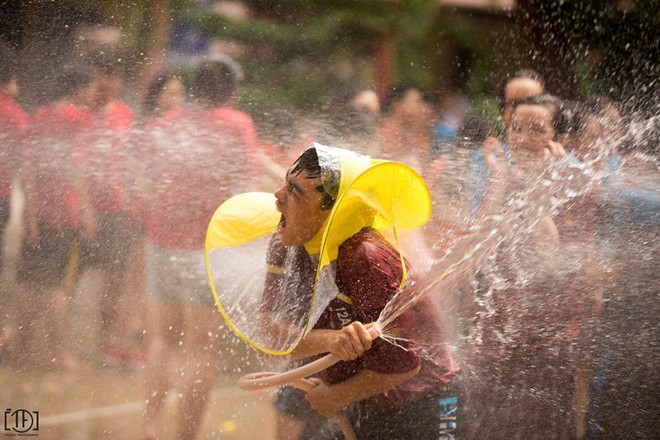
{"type": "Point", "coordinates": [368, 100]}
{"type": "Point", "coordinates": [300, 204]}
{"type": "Point", "coordinates": [600, 130]}
{"type": "Point", "coordinates": [411, 107]}
{"type": "Point", "coordinates": [531, 128]}
{"type": "Point", "coordinates": [516, 91]}
{"type": "Point", "coordinates": [172, 95]}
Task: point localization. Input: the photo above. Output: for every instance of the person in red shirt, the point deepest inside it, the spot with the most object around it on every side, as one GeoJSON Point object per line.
{"type": "Point", "coordinates": [387, 388]}
{"type": "Point", "coordinates": [406, 130]}
{"type": "Point", "coordinates": [215, 88]}
{"type": "Point", "coordinates": [59, 151]}
{"type": "Point", "coordinates": [195, 158]}
{"type": "Point", "coordinates": [14, 132]}
{"type": "Point", "coordinates": [107, 254]}
{"type": "Point", "coordinates": [163, 102]}
{"type": "Point", "coordinates": [352, 119]}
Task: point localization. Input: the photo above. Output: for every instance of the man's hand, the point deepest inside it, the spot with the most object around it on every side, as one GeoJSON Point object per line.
{"type": "Point", "coordinates": [351, 341]}
{"type": "Point", "coordinates": [494, 156]}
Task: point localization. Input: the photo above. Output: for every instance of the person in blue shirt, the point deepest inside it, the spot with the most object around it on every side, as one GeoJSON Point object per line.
{"type": "Point", "coordinates": [516, 88]}
{"type": "Point", "coordinates": [596, 131]}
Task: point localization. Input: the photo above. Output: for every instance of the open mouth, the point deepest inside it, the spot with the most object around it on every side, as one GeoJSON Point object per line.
{"type": "Point", "coordinates": [281, 225]}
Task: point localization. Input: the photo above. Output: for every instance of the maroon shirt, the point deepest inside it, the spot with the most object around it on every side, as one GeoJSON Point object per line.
{"type": "Point", "coordinates": [369, 273]}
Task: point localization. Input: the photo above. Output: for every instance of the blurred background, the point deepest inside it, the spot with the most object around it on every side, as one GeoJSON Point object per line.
{"type": "Point", "coordinates": [294, 52]}
{"type": "Point", "coordinates": [296, 56]}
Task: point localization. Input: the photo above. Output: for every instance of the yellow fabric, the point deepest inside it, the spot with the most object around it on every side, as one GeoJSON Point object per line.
{"type": "Point", "coordinates": [71, 269]}
{"type": "Point", "coordinates": [387, 195]}
{"type": "Point", "coordinates": [372, 193]}
{"type": "Point", "coordinates": [345, 298]}
{"type": "Point", "coordinates": [276, 270]}
{"type": "Point", "coordinates": [242, 219]}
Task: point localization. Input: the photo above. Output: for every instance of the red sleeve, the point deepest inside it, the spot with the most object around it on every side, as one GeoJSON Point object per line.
{"type": "Point", "coordinates": [81, 126]}
{"type": "Point", "coordinates": [370, 272]}
{"type": "Point", "coordinates": [119, 115]}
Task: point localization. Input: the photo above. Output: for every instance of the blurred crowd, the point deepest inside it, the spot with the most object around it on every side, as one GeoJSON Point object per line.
{"type": "Point", "coordinates": [127, 192]}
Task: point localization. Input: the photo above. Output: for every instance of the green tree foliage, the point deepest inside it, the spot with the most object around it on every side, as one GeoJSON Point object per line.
{"type": "Point", "coordinates": [303, 48]}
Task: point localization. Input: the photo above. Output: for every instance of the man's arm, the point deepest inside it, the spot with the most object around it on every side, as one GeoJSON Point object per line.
{"type": "Point", "coordinates": [348, 343]}
{"type": "Point", "coordinates": [329, 400]}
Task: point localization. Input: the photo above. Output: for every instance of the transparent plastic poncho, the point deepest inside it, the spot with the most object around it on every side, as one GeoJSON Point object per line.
{"type": "Point", "coordinates": [242, 237]}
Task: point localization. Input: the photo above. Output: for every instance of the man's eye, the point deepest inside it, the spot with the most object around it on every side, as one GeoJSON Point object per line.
{"type": "Point", "coordinates": [292, 190]}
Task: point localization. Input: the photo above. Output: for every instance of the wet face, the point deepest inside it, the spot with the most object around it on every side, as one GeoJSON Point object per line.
{"type": "Point", "coordinates": [172, 95]}
{"type": "Point", "coordinates": [531, 128]}
{"type": "Point", "coordinates": [592, 134]}
{"type": "Point", "coordinates": [516, 91]}
{"type": "Point", "coordinates": [299, 201]}
{"type": "Point", "coordinates": [600, 130]}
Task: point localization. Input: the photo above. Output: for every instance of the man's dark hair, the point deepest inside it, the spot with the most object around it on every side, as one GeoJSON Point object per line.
{"type": "Point", "coordinates": [526, 73]}
{"type": "Point", "coordinates": [309, 162]}
{"type": "Point", "coordinates": [8, 63]}
{"type": "Point", "coordinates": [562, 115]}
{"type": "Point", "coordinates": [214, 83]}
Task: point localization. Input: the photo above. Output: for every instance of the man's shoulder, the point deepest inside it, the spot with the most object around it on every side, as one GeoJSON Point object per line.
{"type": "Point", "coordinates": [366, 246]}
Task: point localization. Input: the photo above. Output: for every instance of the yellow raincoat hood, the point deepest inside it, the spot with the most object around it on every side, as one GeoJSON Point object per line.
{"type": "Point", "coordinates": [387, 196]}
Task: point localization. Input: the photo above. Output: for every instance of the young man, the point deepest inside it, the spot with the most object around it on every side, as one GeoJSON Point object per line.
{"type": "Point", "coordinates": [50, 255]}
{"type": "Point", "coordinates": [215, 88]}
{"type": "Point", "coordinates": [107, 254]}
{"type": "Point", "coordinates": [210, 152]}
{"type": "Point", "coordinates": [387, 389]}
